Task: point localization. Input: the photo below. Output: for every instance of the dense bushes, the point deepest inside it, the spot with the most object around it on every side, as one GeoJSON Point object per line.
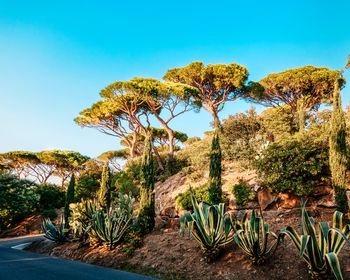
{"type": "Point", "coordinates": [18, 198]}
{"type": "Point", "coordinates": [295, 165]}
{"type": "Point", "coordinates": [242, 192]}
{"type": "Point", "coordinates": [183, 200]}
{"type": "Point", "coordinates": [133, 168]}
{"type": "Point", "coordinates": [51, 197]}
{"type": "Point", "coordinates": [124, 184]}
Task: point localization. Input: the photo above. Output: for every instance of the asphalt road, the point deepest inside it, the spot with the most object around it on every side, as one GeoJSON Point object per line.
{"type": "Point", "coordinates": [23, 265]}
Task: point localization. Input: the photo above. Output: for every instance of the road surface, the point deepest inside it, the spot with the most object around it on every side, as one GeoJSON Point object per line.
{"type": "Point", "coordinates": [23, 265]}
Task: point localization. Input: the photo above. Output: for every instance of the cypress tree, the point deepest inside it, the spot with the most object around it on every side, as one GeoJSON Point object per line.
{"type": "Point", "coordinates": [104, 195]}
{"type": "Point", "coordinates": [146, 216]}
{"type": "Point", "coordinates": [338, 151]}
{"type": "Point", "coordinates": [215, 191]}
{"type": "Point", "coordinates": [69, 199]}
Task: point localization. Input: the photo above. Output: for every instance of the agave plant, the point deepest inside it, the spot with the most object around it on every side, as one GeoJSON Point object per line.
{"type": "Point", "coordinates": [110, 227]}
{"type": "Point", "coordinates": [320, 244]}
{"type": "Point", "coordinates": [252, 236]}
{"type": "Point", "coordinates": [209, 225]}
{"type": "Point", "coordinates": [57, 233]}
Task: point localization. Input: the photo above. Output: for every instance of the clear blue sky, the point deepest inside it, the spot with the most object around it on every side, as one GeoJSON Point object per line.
{"type": "Point", "coordinates": [55, 56]}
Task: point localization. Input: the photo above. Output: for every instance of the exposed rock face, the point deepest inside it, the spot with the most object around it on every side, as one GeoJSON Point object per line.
{"type": "Point", "coordinates": [265, 198]}
{"type": "Point", "coordinates": [166, 192]}
{"type": "Point", "coordinates": [321, 191]}
{"type": "Point", "coordinates": [288, 201]}
{"type": "Point", "coordinates": [327, 201]}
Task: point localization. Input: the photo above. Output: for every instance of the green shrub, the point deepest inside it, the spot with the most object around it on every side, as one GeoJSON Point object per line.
{"type": "Point", "coordinates": [124, 184]}
{"type": "Point", "coordinates": [18, 198]}
{"type": "Point", "coordinates": [87, 186]}
{"type": "Point", "coordinates": [296, 165]}
{"type": "Point", "coordinates": [133, 168]}
{"type": "Point", "coordinates": [49, 213]}
{"type": "Point", "coordinates": [183, 200]}
{"type": "Point", "coordinates": [50, 197]}
{"type": "Point", "coordinates": [242, 192]}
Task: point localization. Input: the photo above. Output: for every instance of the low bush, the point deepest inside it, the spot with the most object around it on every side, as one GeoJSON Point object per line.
{"type": "Point", "coordinates": [124, 184]}
{"type": "Point", "coordinates": [242, 192]}
{"type": "Point", "coordinates": [50, 197]}
{"type": "Point", "coordinates": [133, 168]}
{"type": "Point", "coordinates": [18, 198]}
{"type": "Point", "coordinates": [184, 201]}
{"type": "Point", "coordinates": [295, 165]}
{"type": "Point", "coordinates": [87, 186]}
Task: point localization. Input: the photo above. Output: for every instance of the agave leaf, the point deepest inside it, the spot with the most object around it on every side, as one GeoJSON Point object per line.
{"type": "Point", "coordinates": [334, 264]}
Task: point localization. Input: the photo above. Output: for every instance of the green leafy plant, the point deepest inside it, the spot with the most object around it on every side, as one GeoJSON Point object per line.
{"type": "Point", "coordinates": [242, 192]}
{"type": "Point", "coordinates": [184, 201]}
{"type": "Point", "coordinates": [320, 244]}
{"type": "Point", "coordinates": [209, 225]}
{"type": "Point", "coordinates": [252, 236]}
{"type": "Point", "coordinates": [295, 165]}
{"type": "Point", "coordinates": [55, 233]}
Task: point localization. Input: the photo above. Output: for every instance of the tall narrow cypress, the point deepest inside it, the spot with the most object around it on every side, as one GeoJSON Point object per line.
{"type": "Point", "coordinates": [69, 199]}
{"type": "Point", "coordinates": [338, 151]}
{"type": "Point", "coordinates": [104, 194]}
{"type": "Point", "coordinates": [215, 191]}
{"type": "Point", "coordinates": [146, 215]}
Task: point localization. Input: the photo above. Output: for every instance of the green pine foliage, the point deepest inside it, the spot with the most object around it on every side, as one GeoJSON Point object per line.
{"type": "Point", "coordinates": [69, 199]}
{"type": "Point", "coordinates": [105, 193]}
{"type": "Point", "coordinates": [215, 191]}
{"type": "Point", "coordinates": [146, 215]}
{"type": "Point", "coordinates": [338, 151]}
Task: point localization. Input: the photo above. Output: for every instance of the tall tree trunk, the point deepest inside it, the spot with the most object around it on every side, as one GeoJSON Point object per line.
{"type": "Point", "coordinates": [133, 144]}
{"type": "Point", "coordinates": [338, 152]}
{"type": "Point", "coordinates": [158, 158]}
{"type": "Point", "coordinates": [217, 123]}
{"type": "Point", "coordinates": [301, 115]}
{"type": "Point", "coordinates": [171, 137]}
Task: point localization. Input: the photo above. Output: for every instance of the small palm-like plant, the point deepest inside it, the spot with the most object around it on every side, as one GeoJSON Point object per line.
{"type": "Point", "coordinates": [55, 233]}
{"type": "Point", "coordinates": [209, 225]}
{"type": "Point", "coordinates": [320, 244]}
{"type": "Point", "coordinates": [252, 236]}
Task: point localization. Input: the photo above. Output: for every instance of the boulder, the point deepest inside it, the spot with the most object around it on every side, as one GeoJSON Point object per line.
{"type": "Point", "coordinates": [288, 201]}
{"type": "Point", "coordinates": [321, 190]}
{"type": "Point", "coordinates": [265, 198]}
{"type": "Point", "coordinates": [327, 201]}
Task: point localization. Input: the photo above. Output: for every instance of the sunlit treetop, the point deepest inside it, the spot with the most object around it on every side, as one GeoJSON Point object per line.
{"type": "Point", "coordinates": [314, 85]}
{"type": "Point", "coordinates": [217, 83]}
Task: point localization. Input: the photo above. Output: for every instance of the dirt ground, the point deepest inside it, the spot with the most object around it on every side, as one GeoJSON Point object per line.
{"type": "Point", "coordinates": [167, 255]}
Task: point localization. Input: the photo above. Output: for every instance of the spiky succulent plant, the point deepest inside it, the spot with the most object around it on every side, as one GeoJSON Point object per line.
{"type": "Point", "coordinates": [252, 236]}
{"type": "Point", "coordinates": [209, 225]}
{"type": "Point", "coordinates": [319, 244]}
{"type": "Point", "coordinates": [109, 227]}
{"type": "Point", "coordinates": [54, 233]}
